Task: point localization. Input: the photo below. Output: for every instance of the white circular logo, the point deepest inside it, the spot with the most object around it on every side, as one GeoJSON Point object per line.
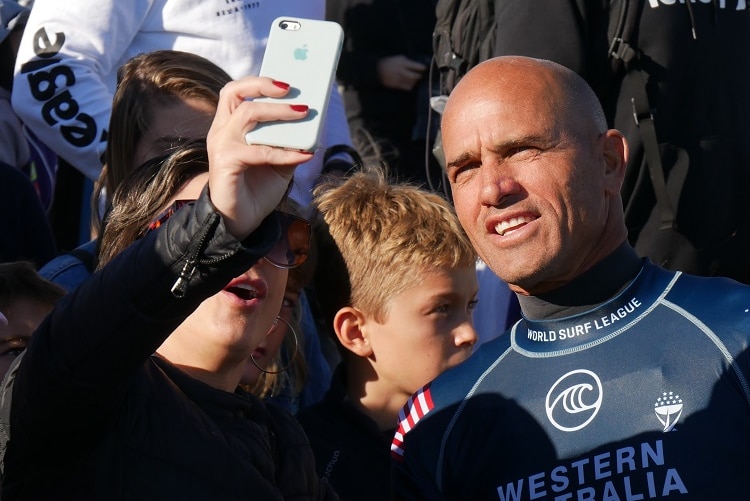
{"type": "Point", "coordinates": [574, 400]}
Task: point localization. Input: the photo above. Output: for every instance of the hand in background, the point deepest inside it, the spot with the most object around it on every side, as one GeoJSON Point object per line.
{"type": "Point", "coordinates": [400, 72]}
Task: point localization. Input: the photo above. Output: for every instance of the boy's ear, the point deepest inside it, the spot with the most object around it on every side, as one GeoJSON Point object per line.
{"type": "Point", "coordinates": [348, 325]}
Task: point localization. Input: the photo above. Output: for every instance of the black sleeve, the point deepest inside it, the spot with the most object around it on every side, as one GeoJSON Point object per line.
{"type": "Point", "coordinates": [80, 360]}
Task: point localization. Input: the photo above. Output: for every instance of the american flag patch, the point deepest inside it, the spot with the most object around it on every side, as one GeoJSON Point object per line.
{"type": "Point", "coordinates": [415, 409]}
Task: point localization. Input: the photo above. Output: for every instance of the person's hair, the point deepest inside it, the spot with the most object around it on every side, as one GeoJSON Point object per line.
{"type": "Point", "coordinates": [295, 376]}
{"type": "Point", "coordinates": [145, 192]}
{"type": "Point", "coordinates": [158, 77]}
{"type": "Point", "coordinates": [301, 276]}
{"type": "Point", "coordinates": [20, 280]}
{"type": "Point", "coordinates": [375, 238]}
{"type": "Point", "coordinates": [272, 383]}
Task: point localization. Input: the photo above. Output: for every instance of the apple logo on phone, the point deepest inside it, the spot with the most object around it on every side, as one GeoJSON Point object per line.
{"type": "Point", "coordinates": [300, 53]}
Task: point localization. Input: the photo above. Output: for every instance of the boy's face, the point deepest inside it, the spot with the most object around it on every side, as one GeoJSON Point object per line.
{"type": "Point", "coordinates": [428, 329]}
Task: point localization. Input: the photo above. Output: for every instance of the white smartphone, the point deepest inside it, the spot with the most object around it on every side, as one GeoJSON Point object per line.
{"type": "Point", "coordinates": [303, 53]}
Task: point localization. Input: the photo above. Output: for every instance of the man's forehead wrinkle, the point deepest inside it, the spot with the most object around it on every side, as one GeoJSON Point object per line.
{"type": "Point", "coordinates": [499, 96]}
{"type": "Point", "coordinates": [460, 159]}
{"type": "Point", "coordinates": [492, 146]}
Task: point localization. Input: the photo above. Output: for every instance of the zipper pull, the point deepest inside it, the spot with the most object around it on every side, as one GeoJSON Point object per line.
{"type": "Point", "coordinates": [180, 286]}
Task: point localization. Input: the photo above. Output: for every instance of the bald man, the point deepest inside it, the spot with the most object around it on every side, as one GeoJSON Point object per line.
{"type": "Point", "coordinates": [623, 381]}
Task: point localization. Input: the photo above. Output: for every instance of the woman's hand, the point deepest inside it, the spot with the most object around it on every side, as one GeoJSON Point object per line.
{"type": "Point", "coordinates": [247, 182]}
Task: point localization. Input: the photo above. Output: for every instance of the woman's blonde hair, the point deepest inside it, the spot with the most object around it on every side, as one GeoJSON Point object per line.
{"type": "Point", "coordinates": [295, 376]}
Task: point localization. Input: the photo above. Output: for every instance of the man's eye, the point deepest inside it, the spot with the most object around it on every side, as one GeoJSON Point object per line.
{"type": "Point", "coordinates": [288, 303]}
{"type": "Point", "coordinates": [473, 304]}
{"type": "Point", "coordinates": [522, 150]}
{"type": "Point", "coordinates": [456, 172]}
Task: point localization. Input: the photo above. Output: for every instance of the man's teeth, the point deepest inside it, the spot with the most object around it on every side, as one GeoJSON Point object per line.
{"type": "Point", "coordinates": [503, 226]}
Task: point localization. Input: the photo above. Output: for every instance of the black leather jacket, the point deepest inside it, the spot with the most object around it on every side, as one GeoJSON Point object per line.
{"type": "Point", "coordinates": [95, 415]}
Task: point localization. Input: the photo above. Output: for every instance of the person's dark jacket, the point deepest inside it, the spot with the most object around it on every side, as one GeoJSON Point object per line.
{"type": "Point", "coordinates": [95, 415]}
{"type": "Point", "coordinates": [25, 232]}
{"type": "Point", "coordinates": [375, 29]}
{"type": "Point", "coordinates": [351, 452]}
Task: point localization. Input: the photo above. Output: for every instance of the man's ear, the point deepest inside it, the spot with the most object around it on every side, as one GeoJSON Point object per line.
{"type": "Point", "coordinates": [615, 152]}
{"type": "Point", "coordinates": [348, 325]}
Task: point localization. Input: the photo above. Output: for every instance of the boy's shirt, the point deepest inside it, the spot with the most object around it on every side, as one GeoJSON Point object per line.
{"type": "Point", "coordinates": [348, 445]}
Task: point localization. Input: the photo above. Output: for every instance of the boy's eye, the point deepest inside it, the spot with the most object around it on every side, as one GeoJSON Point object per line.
{"type": "Point", "coordinates": [473, 304]}
{"type": "Point", "coordinates": [443, 308]}
{"type": "Point", "coordinates": [288, 303]}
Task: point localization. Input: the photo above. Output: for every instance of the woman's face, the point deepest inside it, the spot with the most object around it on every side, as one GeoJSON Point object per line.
{"type": "Point", "coordinates": [228, 326]}
{"type": "Point", "coordinates": [173, 124]}
{"type": "Point", "coordinates": [238, 318]}
{"type": "Point", "coordinates": [266, 352]}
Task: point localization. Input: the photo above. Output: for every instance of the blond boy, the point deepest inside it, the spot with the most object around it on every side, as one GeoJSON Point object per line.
{"type": "Point", "coordinates": [396, 284]}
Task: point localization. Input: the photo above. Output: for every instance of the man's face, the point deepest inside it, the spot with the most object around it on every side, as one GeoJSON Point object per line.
{"type": "Point", "coordinates": [527, 178]}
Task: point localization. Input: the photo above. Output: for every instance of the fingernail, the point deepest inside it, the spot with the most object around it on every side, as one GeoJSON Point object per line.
{"type": "Point", "coordinates": [281, 85]}
{"type": "Point", "coordinates": [298, 107]}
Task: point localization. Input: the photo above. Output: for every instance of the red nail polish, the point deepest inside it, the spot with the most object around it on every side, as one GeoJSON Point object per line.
{"type": "Point", "coordinates": [281, 85]}
{"type": "Point", "coordinates": [298, 107]}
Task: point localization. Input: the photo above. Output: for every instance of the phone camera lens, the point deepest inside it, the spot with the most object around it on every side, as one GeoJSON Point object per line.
{"type": "Point", "coordinates": [284, 25]}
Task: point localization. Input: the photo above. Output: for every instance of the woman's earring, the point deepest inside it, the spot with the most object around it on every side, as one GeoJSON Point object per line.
{"type": "Point", "coordinates": [291, 359]}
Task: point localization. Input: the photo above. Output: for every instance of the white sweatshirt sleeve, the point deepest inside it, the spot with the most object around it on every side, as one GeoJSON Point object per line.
{"type": "Point", "coordinates": [65, 73]}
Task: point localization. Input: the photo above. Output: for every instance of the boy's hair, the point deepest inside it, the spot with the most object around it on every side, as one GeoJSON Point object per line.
{"type": "Point", "coordinates": [376, 238]}
{"type": "Point", "coordinates": [20, 280]}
